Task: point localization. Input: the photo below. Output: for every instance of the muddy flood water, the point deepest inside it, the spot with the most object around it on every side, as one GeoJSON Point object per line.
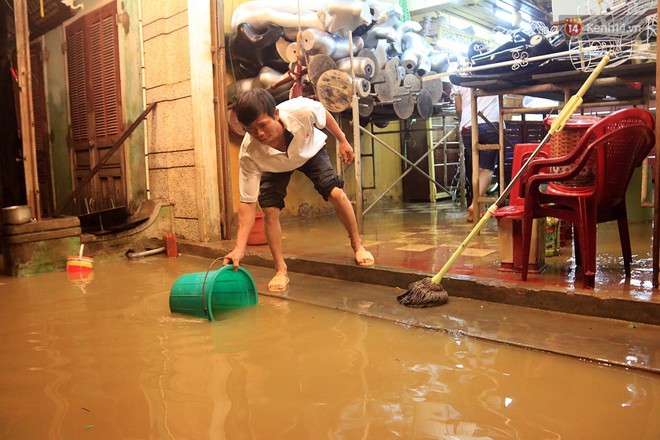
{"type": "Point", "coordinates": [105, 359]}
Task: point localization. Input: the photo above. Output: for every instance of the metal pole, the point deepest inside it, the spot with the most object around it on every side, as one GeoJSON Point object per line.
{"type": "Point", "coordinates": [433, 194]}
{"type": "Point", "coordinates": [405, 173]}
{"type": "Point", "coordinates": [414, 165]}
{"type": "Point", "coordinates": [356, 141]}
{"type": "Point", "coordinates": [656, 192]}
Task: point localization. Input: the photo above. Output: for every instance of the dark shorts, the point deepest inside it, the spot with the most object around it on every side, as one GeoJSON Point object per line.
{"type": "Point", "coordinates": [487, 135]}
{"type": "Point", "coordinates": [318, 169]}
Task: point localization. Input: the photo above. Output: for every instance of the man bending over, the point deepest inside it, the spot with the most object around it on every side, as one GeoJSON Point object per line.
{"type": "Point", "coordinates": [278, 141]}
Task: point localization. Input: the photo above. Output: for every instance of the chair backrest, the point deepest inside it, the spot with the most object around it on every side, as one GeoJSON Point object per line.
{"type": "Point", "coordinates": [522, 152]}
{"type": "Point", "coordinates": [619, 152]}
{"type": "Point", "coordinates": [614, 121]}
{"type": "Point", "coordinates": [619, 119]}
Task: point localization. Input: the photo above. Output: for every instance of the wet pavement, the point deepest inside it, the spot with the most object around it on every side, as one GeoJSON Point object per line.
{"type": "Point", "coordinates": [617, 322]}
{"type": "Point", "coordinates": [414, 241]}
{"type": "Point", "coordinates": [614, 342]}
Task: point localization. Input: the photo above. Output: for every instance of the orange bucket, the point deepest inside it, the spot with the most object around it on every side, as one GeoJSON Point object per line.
{"type": "Point", "coordinates": [78, 264]}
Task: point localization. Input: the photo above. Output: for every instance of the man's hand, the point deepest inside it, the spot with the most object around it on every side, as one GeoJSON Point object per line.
{"type": "Point", "coordinates": [346, 151]}
{"type": "Point", "coordinates": [234, 258]}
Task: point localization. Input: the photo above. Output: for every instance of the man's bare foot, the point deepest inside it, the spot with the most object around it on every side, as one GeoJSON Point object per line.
{"type": "Point", "coordinates": [470, 215]}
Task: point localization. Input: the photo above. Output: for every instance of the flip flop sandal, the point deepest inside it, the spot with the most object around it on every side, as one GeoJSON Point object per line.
{"type": "Point", "coordinates": [364, 258]}
{"type": "Point", "coordinates": [279, 283]}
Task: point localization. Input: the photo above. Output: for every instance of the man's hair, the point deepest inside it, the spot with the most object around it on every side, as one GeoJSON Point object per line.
{"type": "Point", "coordinates": [254, 103]}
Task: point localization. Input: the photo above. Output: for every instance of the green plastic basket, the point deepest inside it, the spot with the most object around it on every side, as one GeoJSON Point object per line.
{"type": "Point", "coordinates": [204, 293]}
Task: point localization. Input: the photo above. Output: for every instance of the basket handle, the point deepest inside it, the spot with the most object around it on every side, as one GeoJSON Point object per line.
{"type": "Point", "coordinates": [206, 309]}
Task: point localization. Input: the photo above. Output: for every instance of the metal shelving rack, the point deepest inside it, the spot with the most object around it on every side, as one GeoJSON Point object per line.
{"type": "Point", "coordinates": [438, 126]}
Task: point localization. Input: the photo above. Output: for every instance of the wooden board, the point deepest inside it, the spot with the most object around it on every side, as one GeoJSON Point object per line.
{"type": "Point", "coordinates": [387, 82]}
{"type": "Point", "coordinates": [335, 91]}
{"type": "Point", "coordinates": [317, 65]}
{"type": "Point", "coordinates": [424, 104]}
{"type": "Point", "coordinates": [404, 103]}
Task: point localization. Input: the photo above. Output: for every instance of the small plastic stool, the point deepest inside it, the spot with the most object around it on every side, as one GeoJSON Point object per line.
{"type": "Point", "coordinates": [510, 239]}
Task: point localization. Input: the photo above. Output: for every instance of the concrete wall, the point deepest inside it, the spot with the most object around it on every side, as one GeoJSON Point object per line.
{"type": "Point", "coordinates": [133, 103]}
{"type": "Point", "coordinates": [182, 163]}
{"type": "Point", "coordinates": [170, 127]}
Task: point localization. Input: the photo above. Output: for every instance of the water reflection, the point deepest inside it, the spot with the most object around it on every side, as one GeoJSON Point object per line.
{"type": "Point", "coordinates": [81, 279]}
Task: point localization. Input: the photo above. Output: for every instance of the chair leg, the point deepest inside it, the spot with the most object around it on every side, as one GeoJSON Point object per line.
{"type": "Point", "coordinates": [576, 246]}
{"type": "Point", "coordinates": [624, 236]}
{"type": "Point", "coordinates": [589, 238]}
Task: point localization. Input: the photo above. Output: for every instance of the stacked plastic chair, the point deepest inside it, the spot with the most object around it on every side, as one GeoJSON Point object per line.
{"type": "Point", "coordinates": [619, 143]}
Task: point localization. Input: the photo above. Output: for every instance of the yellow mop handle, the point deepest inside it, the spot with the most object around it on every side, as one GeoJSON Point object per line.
{"type": "Point", "coordinates": [576, 100]}
{"type": "Point", "coordinates": [557, 125]}
{"type": "Point", "coordinates": [457, 253]}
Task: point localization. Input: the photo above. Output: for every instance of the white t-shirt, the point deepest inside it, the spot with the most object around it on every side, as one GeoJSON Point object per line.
{"type": "Point", "coordinates": [489, 106]}
{"type": "Point", "coordinates": [303, 118]}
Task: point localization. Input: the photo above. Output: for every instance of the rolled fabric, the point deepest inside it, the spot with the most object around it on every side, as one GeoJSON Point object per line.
{"type": "Point", "coordinates": [362, 87]}
{"type": "Point", "coordinates": [316, 41]}
{"type": "Point", "coordinates": [345, 16]}
{"type": "Point", "coordinates": [237, 88]}
{"type": "Point", "coordinates": [251, 50]}
{"type": "Point", "coordinates": [261, 17]}
{"type": "Point", "coordinates": [439, 62]}
{"type": "Point", "coordinates": [342, 49]}
{"type": "Point", "coordinates": [364, 67]}
{"type": "Point", "coordinates": [292, 52]}
{"type": "Point", "coordinates": [401, 70]}
{"type": "Point", "coordinates": [410, 60]}
{"type": "Point", "coordinates": [424, 65]}
{"type": "Point", "coordinates": [370, 53]}
{"type": "Point", "coordinates": [281, 46]}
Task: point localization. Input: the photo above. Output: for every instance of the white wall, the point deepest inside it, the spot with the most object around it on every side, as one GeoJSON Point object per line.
{"type": "Point", "coordinates": [566, 7]}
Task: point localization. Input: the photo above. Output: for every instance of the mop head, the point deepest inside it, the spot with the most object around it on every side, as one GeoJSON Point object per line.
{"type": "Point", "coordinates": [423, 293]}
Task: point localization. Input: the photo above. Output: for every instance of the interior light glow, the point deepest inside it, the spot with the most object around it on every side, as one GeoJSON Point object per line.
{"type": "Point", "coordinates": [506, 16]}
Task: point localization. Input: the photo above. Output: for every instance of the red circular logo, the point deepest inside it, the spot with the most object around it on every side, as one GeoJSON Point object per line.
{"type": "Point", "coordinates": [573, 27]}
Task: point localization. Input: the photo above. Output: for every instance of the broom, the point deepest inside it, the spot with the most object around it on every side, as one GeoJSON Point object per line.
{"type": "Point", "coordinates": [428, 292]}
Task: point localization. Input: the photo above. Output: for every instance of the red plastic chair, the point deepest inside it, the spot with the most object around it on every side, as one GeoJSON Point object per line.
{"type": "Point", "coordinates": [521, 153]}
{"type": "Point", "coordinates": [514, 210]}
{"type": "Point", "coordinates": [619, 151]}
{"type": "Point", "coordinates": [618, 119]}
